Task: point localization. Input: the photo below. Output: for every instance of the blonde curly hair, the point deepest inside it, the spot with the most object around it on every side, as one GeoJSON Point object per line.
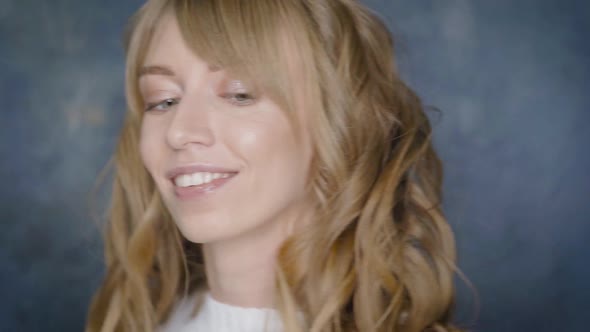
{"type": "Point", "coordinates": [379, 255]}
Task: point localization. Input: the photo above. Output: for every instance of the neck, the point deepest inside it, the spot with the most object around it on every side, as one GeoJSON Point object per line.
{"type": "Point", "coordinates": [241, 271]}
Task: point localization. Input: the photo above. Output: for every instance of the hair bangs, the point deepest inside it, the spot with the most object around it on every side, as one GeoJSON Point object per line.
{"type": "Point", "coordinates": [245, 38]}
{"type": "Point", "coordinates": [138, 37]}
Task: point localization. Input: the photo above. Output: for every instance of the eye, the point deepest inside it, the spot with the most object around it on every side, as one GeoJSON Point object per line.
{"type": "Point", "coordinates": [240, 98]}
{"type": "Point", "coordinates": [238, 93]}
{"type": "Point", "coordinates": [161, 105]}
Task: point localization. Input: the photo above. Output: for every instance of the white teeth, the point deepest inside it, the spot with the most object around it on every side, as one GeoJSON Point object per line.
{"type": "Point", "coordinates": [182, 181]}
{"type": "Point", "coordinates": [197, 179]}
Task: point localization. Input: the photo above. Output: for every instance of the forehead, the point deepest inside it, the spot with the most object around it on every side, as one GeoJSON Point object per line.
{"type": "Point", "coordinates": [167, 43]}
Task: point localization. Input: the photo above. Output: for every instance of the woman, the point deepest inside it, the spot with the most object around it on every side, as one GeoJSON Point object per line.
{"type": "Point", "coordinates": [273, 173]}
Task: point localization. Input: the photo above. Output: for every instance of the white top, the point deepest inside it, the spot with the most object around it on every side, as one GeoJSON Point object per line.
{"type": "Point", "coordinates": [220, 317]}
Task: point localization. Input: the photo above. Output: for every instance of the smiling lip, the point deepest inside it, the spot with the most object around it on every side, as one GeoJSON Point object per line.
{"type": "Point", "coordinates": [197, 168]}
{"type": "Point", "coordinates": [193, 192]}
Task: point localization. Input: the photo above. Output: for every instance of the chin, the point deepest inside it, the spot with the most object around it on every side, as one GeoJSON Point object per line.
{"type": "Point", "coordinates": [197, 234]}
{"type": "Point", "coordinates": [204, 230]}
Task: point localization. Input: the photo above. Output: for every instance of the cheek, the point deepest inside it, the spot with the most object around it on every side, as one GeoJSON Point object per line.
{"type": "Point", "coordinates": [260, 143]}
{"type": "Point", "coordinates": [249, 139]}
{"type": "Point", "coordinates": [270, 151]}
{"type": "Point", "coordinates": [149, 141]}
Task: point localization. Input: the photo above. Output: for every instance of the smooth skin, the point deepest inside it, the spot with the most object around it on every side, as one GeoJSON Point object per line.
{"type": "Point", "coordinates": [198, 115]}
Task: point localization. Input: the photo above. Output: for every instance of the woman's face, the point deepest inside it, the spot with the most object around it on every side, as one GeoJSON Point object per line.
{"type": "Point", "coordinates": [225, 158]}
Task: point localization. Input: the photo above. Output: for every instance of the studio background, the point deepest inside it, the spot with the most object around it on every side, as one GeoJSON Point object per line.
{"type": "Point", "coordinates": [511, 79]}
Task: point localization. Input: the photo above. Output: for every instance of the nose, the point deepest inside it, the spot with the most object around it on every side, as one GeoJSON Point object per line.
{"type": "Point", "coordinates": [190, 125]}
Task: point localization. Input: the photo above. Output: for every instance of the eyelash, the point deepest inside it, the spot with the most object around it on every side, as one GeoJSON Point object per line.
{"type": "Point", "coordinates": [168, 102]}
{"type": "Point", "coordinates": [238, 99]}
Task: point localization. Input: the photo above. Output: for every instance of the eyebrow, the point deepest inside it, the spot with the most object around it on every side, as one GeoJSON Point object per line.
{"type": "Point", "coordinates": [155, 70]}
{"type": "Point", "coordinates": [166, 71]}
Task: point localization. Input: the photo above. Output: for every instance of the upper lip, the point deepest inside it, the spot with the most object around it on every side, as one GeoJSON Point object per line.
{"type": "Point", "coordinates": [189, 169]}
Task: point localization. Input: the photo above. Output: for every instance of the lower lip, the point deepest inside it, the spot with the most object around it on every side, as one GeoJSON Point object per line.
{"type": "Point", "coordinates": [193, 192]}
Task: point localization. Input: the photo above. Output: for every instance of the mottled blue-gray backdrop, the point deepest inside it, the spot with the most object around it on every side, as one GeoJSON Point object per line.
{"type": "Point", "coordinates": [511, 79]}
